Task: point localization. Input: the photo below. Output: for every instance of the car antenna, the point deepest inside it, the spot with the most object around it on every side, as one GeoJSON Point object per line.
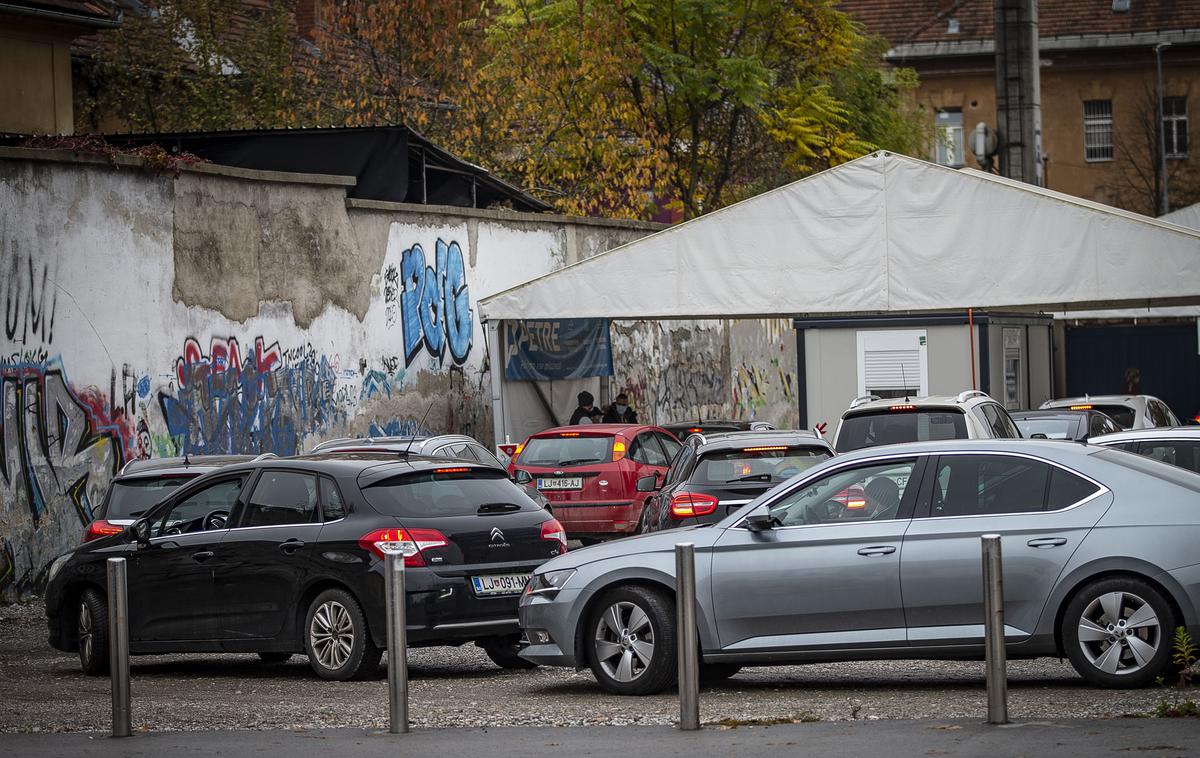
{"type": "Point", "coordinates": [186, 462]}
{"type": "Point", "coordinates": [904, 379]}
{"type": "Point", "coordinates": [420, 425]}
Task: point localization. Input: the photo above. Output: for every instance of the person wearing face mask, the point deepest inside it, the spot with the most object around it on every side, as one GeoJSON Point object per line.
{"type": "Point", "coordinates": [620, 412]}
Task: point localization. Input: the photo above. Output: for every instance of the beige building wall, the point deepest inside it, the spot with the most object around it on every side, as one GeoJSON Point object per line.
{"type": "Point", "coordinates": [35, 77]}
{"type": "Point", "coordinates": [1125, 77]}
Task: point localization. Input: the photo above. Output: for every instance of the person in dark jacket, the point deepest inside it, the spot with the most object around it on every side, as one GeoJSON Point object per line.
{"type": "Point", "coordinates": [585, 409]}
{"type": "Point", "coordinates": [620, 412]}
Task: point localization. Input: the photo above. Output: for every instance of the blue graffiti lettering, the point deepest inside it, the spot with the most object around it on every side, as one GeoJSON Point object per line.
{"type": "Point", "coordinates": [435, 303]}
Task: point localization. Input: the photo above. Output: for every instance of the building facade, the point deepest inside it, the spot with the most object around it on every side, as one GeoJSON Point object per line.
{"type": "Point", "coordinates": [1098, 64]}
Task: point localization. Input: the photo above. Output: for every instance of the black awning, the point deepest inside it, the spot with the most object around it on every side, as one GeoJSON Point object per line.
{"type": "Point", "coordinates": [391, 163]}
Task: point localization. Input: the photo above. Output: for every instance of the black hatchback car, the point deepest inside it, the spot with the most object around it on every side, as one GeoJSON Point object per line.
{"type": "Point", "coordinates": [283, 556]}
{"type": "Point", "coordinates": [714, 475]}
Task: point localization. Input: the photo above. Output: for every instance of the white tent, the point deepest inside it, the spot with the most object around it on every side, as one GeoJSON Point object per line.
{"type": "Point", "coordinates": [884, 233]}
{"type": "Point", "coordinates": [1189, 217]}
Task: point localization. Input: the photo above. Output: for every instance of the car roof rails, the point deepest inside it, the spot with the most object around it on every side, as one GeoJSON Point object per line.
{"type": "Point", "coordinates": [863, 400]}
{"type": "Point", "coordinates": [264, 457]}
{"type": "Point", "coordinates": [966, 395]}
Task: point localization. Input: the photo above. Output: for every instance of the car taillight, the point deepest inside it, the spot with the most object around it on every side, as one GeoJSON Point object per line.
{"type": "Point", "coordinates": [553, 530]}
{"type": "Point", "coordinates": [903, 407]}
{"type": "Point", "coordinates": [689, 504]}
{"type": "Point", "coordinates": [852, 498]}
{"type": "Point", "coordinates": [618, 448]}
{"type": "Point", "coordinates": [101, 528]}
{"type": "Point", "coordinates": [411, 542]}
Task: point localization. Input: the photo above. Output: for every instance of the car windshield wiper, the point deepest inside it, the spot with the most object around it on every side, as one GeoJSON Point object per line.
{"type": "Point", "coordinates": [750, 478]}
{"type": "Point", "coordinates": [498, 508]}
{"type": "Point", "coordinates": [575, 461]}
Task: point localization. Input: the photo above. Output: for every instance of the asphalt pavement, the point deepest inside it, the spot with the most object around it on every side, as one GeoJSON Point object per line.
{"type": "Point", "coordinates": [1039, 739]}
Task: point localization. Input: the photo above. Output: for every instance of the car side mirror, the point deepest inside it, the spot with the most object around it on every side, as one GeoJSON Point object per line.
{"type": "Point", "coordinates": [1038, 436]}
{"type": "Point", "coordinates": [521, 476]}
{"type": "Point", "coordinates": [647, 483]}
{"type": "Point", "coordinates": [139, 532]}
{"type": "Point", "coordinates": [760, 522]}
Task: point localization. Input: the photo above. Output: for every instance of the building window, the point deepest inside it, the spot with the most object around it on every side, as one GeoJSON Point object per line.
{"type": "Point", "coordinates": [949, 126]}
{"type": "Point", "coordinates": [1097, 130]}
{"type": "Point", "coordinates": [1175, 126]}
{"type": "Point", "coordinates": [893, 363]}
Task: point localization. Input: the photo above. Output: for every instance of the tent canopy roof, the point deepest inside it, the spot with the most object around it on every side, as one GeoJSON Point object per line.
{"type": "Point", "coordinates": [881, 234]}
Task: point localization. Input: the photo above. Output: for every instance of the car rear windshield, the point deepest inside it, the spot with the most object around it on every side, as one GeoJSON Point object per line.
{"type": "Point", "coordinates": [1140, 463]}
{"type": "Point", "coordinates": [890, 427]}
{"type": "Point", "coordinates": [567, 451]}
{"type": "Point", "coordinates": [458, 493]}
{"type": "Point", "coordinates": [1122, 414]}
{"type": "Point", "coordinates": [131, 498]}
{"type": "Point", "coordinates": [766, 464]}
{"type": "Point", "coordinates": [1062, 428]}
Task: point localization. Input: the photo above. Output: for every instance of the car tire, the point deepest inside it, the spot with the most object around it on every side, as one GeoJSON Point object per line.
{"type": "Point", "coordinates": [718, 672]}
{"type": "Point", "coordinates": [275, 657]}
{"type": "Point", "coordinates": [505, 652]}
{"type": "Point", "coordinates": [643, 526]}
{"type": "Point", "coordinates": [1117, 632]}
{"type": "Point", "coordinates": [630, 641]}
{"type": "Point", "coordinates": [91, 626]}
{"type": "Point", "coordinates": [335, 622]}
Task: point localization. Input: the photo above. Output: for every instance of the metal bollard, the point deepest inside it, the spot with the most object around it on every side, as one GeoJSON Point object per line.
{"type": "Point", "coordinates": [689, 644]}
{"type": "Point", "coordinates": [397, 642]}
{"type": "Point", "coordinates": [993, 630]}
{"type": "Point", "coordinates": [118, 646]}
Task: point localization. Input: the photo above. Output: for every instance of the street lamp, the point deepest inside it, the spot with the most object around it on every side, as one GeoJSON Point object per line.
{"type": "Point", "coordinates": [1164, 205]}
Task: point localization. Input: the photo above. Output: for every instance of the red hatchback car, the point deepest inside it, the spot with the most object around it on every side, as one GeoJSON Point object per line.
{"type": "Point", "coordinates": [589, 474]}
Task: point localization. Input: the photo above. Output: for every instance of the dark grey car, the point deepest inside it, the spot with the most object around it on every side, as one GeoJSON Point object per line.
{"type": "Point", "coordinates": [876, 554]}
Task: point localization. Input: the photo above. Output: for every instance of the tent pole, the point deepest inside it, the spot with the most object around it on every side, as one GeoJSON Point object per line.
{"type": "Point", "coordinates": [496, 366]}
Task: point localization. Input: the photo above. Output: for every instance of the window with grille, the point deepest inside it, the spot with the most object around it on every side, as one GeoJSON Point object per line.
{"type": "Point", "coordinates": [1097, 130]}
{"type": "Point", "coordinates": [949, 148]}
{"type": "Point", "coordinates": [1175, 127]}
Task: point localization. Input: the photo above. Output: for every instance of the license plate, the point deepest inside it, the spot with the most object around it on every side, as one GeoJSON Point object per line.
{"type": "Point", "coordinates": [567, 483]}
{"type": "Point", "coordinates": [500, 584]}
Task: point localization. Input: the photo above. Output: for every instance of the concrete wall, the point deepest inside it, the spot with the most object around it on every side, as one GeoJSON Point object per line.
{"type": "Point", "coordinates": [226, 310]}
{"type": "Point", "coordinates": [231, 311]}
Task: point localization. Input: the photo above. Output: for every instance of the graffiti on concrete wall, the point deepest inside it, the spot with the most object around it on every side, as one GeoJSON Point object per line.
{"type": "Point", "coordinates": [435, 304]}
{"type": "Point", "coordinates": [227, 402]}
{"type": "Point", "coordinates": [30, 297]}
{"type": "Point", "coordinates": [60, 450]}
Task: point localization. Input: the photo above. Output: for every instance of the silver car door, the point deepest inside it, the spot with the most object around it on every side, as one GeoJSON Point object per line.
{"type": "Point", "coordinates": [827, 576]}
{"type": "Point", "coordinates": [1042, 512]}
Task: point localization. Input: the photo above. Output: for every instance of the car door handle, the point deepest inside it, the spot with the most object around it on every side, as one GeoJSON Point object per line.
{"type": "Point", "coordinates": [877, 550]}
{"type": "Point", "coordinates": [1047, 542]}
{"type": "Point", "coordinates": [291, 546]}
{"type": "Point", "coordinates": [201, 556]}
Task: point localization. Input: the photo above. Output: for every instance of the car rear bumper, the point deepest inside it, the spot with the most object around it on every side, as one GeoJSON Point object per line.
{"type": "Point", "coordinates": [604, 518]}
{"type": "Point", "coordinates": [443, 609]}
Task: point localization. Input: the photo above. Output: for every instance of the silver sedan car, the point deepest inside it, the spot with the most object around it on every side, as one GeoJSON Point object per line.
{"type": "Point", "coordinates": [876, 554]}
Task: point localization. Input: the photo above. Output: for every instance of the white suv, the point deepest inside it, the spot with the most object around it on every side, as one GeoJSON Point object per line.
{"type": "Point", "coordinates": [873, 421]}
{"type": "Point", "coordinates": [1129, 411]}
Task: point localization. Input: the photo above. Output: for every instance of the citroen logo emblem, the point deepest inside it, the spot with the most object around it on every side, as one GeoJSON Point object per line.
{"type": "Point", "coordinates": [497, 535]}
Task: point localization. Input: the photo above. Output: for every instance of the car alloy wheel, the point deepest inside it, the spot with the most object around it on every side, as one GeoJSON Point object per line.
{"type": "Point", "coordinates": [86, 636]}
{"type": "Point", "coordinates": [624, 641]}
{"type": "Point", "coordinates": [331, 634]}
{"type": "Point", "coordinates": [1119, 633]}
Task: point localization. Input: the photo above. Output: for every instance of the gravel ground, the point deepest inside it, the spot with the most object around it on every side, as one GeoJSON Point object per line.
{"type": "Point", "coordinates": [42, 689]}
